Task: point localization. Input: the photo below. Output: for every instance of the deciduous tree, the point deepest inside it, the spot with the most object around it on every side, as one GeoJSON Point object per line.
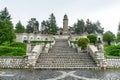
{"type": "Point", "coordinates": [108, 37]}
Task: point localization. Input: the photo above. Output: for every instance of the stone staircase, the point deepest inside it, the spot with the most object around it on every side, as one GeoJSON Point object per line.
{"type": "Point", "coordinates": [63, 57]}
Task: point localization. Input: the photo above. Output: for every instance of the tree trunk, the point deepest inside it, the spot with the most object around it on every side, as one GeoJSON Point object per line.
{"type": "Point", "coordinates": [109, 42]}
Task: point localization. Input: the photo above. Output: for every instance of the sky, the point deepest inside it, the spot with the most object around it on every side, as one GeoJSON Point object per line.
{"type": "Point", "coordinates": [106, 11]}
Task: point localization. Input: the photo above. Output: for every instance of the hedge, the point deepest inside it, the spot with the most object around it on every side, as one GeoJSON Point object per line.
{"type": "Point", "coordinates": [41, 41]}
{"type": "Point", "coordinates": [112, 50]}
{"type": "Point", "coordinates": [12, 51]}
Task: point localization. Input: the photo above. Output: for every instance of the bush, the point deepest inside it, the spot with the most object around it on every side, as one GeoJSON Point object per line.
{"type": "Point", "coordinates": [7, 43]}
{"type": "Point", "coordinates": [82, 42]}
{"type": "Point", "coordinates": [11, 51]}
{"type": "Point", "coordinates": [92, 38]}
{"type": "Point", "coordinates": [18, 45]}
{"type": "Point", "coordinates": [112, 50]}
{"type": "Point", "coordinates": [75, 42]}
{"type": "Point", "coordinates": [41, 41]}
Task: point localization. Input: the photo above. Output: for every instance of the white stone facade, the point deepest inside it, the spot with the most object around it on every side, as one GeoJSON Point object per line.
{"type": "Point", "coordinates": [25, 36]}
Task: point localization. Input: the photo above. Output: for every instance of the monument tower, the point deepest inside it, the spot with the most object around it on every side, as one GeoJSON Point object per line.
{"type": "Point", "coordinates": [65, 25]}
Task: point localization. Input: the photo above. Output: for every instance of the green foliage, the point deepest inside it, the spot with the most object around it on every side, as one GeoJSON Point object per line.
{"type": "Point", "coordinates": [75, 42]}
{"type": "Point", "coordinates": [92, 38]}
{"type": "Point", "coordinates": [6, 43]}
{"type": "Point", "coordinates": [11, 51]}
{"type": "Point", "coordinates": [18, 45]}
{"type": "Point", "coordinates": [112, 50]}
{"type": "Point", "coordinates": [118, 34]}
{"type": "Point", "coordinates": [4, 15]}
{"type": "Point", "coordinates": [52, 25]}
{"type": "Point", "coordinates": [6, 27]}
{"type": "Point", "coordinates": [44, 27]}
{"type": "Point", "coordinates": [19, 28]}
{"type": "Point", "coordinates": [79, 27]}
{"type": "Point", "coordinates": [32, 26]}
{"type": "Point", "coordinates": [90, 27]}
{"type": "Point", "coordinates": [118, 37]}
{"type": "Point", "coordinates": [49, 26]}
{"type": "Point", "coordinates": [6, 31]}
{"type": "Point", "coordinates": [119, 27]}
{"type": "Point", "coordinates": [41, 41]}
{"type": "Point", "coordinates": [108, 37]}
{"type": "Point", "coordinates": [83, 42]}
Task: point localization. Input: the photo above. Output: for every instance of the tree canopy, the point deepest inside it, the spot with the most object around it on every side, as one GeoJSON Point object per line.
{"type": "Point", "coordinates": [83, 42]}
{"type": "Point", "coordinates": [49, 26]}
{"type": "Point", "coordinates": [19, 28]}
{"type": "Point", "coordinates": [32, 26]}
{"type": "Point", "coordinates": [92, 38]}
{"type": "Point", "coordinates": [118, 34]}
{"type": "Point", "coordinates": [6, 27]}
{"type": "Point", "coordinates": [108, 37]}
{"type": "Point", "coordinates": [81, 27]}
{"type": "Point", "coordinates": [4, 14]}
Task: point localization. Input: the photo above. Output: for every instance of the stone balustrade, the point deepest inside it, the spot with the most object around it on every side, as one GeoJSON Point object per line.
{"type": "Point", "coordinates": [97, 55]}
{"type": "Point", "coordinates": [113, 63]}
{"type": "Point", "coordinates": [33, 56]}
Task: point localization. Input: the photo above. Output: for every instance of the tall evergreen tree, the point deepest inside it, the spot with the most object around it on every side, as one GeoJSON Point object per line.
{"type": "Point", "coordinates": [89, 27]}
{"type": "Point", "coordinates": [98, 27]}
{"type": "Point", "coordinates": [80, 27]}
{"type": "Point", "coordinates": [19, 28]}
{"type": "Point", "coordinates": [118, 34]}
{"type": "Point", "coordinates": [6, 31]}
{"type": "Point", "coordinates": [44, 27]}
{"type": "Point", "coordinates": [52, 25]}
{"type": "Point", "coordinates": [4, 14]}
{"type": "Point", "coordinates": [32, 26]}
{"type": "Point", "coordinates": [6, 27]}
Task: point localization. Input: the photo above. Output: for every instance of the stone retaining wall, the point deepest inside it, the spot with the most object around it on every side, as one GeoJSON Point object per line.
{"type": "Point", "coordinates": [12, 62]}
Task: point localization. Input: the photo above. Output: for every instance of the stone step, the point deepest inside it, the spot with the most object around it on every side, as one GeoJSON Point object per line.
{"type": "Point", "coordinates": [62, 56]}
{"type": "Point", "coordinates": [74, 67]}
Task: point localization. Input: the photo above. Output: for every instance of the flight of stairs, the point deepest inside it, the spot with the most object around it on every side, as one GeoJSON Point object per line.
{"type": "Point", "coordinates": [61, 56]}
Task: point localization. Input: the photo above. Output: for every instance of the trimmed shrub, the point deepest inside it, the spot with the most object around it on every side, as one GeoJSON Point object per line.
{"type": "Point", "coordinates": [112, 50]}
{"type": "Point", "coordinates": [41, 41]}
{"type": "Point", "coordinates": [12, 51]}
{"type": "Point", "coordinates": [83, 42]}
{"type": "Point", "coordinates": [75, 42]}
{"type": "Point", "coordinates": [92, 38]}
{"type": "Point", "coordinates": [18, 45]}
{"type": "Point", "coordinates": [7, 43]}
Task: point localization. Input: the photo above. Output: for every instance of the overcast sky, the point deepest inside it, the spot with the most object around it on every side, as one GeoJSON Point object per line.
{"type": "Point", "coordinates": [106, 11]}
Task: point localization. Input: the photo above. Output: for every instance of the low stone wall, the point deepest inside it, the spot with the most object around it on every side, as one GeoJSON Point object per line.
{"type": "Point", "coordinates": [113, 63]}
{"type": "Point", "coordinates": [12, 62]}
